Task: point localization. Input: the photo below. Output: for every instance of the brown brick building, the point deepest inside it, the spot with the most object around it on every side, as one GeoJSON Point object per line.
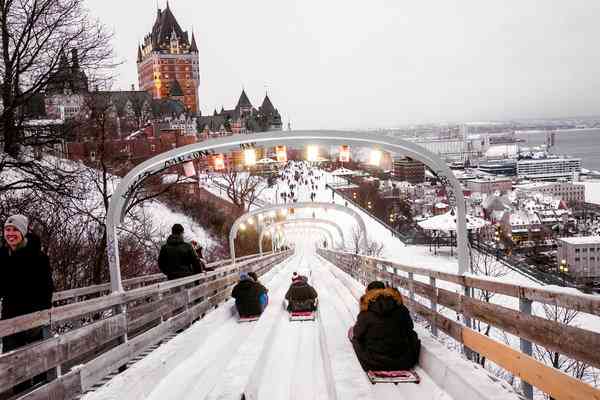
{"type": "Point", "coordinates": [407, 169]}
{"type": "Point", "coordinates": [168, 65]}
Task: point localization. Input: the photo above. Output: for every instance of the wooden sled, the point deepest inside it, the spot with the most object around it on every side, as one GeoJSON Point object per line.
{"type": "Point", "coordinates": [302, 316]}
{"type": "Point", "coordinates": [249, 319]}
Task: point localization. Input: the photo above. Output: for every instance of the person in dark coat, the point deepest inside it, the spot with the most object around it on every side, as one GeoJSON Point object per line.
{"type": "Point", "coordinates": [301, 296]}
{"type": "Point", "coordinates": [247, 294]}
{"type": "Point", "coordinates": [264, 297]}
{"type": "Point", "coordinates": [178, 259]}
{"type": "Point", "coordinates": [383, 336]}
{"type": "Point", "coordinates": [26, 285]}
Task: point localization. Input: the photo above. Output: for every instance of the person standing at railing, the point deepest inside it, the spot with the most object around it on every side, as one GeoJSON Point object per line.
{"type": "Point", "coordinates": [178, 259]}
{"type": "Point", "coordinates": [26, 285]}
{"type": "Point", "coordinates": [383, 336]}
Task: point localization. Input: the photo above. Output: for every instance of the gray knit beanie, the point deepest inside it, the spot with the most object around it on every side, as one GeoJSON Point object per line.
{"type": "Point", "coordinates": [18, 221]}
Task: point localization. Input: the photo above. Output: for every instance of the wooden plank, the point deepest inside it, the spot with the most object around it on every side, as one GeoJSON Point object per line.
{"type": "Point", "coordinates": [549, 380]}
{"type": "Point", "coordinates": [96, 369]}
{"type": "Point", "coordinates": [65, 387]}
{"type": "Point", "coordinates": [446, 325]}
{"type": "Point", "coordinates": [101, 366]}
{"type": "Point", "coordinates": [24, 322]}
{"type": "Point", "coordinates": [571, 341]}
{"type": "Point", "coordinates": [19, 365]}
{"type": "Point", "coordinates": [580, 301]}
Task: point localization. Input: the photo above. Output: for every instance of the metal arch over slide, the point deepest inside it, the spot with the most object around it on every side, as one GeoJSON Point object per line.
{"type": "Point", "coordinates": [300, 222]}
{"type": "Point", "coordinates": [317, 227]}
{"type": "Point", "coordinates": [123, 193]}
{"type": "Point", "coordinates": [276, 207]}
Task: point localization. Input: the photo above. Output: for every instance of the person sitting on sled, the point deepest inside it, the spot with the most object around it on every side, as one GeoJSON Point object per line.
{"type": "Point", "coordinates": [301, 296]}
{"type": "Point", "coordinates": [247, 294]}
{"type": "Point", "coordinates": [264, 297]}
{"type": "Point", "coordinates": [383, 336]}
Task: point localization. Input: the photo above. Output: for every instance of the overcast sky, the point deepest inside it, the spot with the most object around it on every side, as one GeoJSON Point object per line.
{"type": "Point", "coordinates": [383, 63]}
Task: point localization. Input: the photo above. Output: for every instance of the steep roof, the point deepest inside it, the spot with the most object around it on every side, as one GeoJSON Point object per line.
{"type": "Point", "coordinates": [243, 102]}
{"type": "Point", "coordinates": [139, 58]}
{"type": "Point", "coordinates": [194, 47]}
{"type": "Point", "coordinates": [267, 106]}
{"type": "Point", "coordinates": [164, 26]}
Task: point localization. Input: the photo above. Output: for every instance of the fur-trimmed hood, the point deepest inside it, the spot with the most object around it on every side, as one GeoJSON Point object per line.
{"type": "Point", "coordinates": [380, 301]}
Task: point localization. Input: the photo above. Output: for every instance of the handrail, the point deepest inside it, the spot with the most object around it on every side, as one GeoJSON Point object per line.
{"type": "Point", "coordinates": [103, 334]}
{"type": "Point", "coordinates": [61, 297]}
{"type": "Point", "coordinates": [573, 342]}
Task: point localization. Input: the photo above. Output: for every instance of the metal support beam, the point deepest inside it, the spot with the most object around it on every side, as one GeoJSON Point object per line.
{"type": "Point", "coordinates": [300, 221]}
{"type": "Point", "coordinates": [296, 206]}
{"type": "Point", "coordinates": [123, 194]}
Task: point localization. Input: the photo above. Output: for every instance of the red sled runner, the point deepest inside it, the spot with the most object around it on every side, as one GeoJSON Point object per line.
{"type": "Point", "coordinates": [395, 377]}
{"type": "Point", "coordinates": [302, 316]}
{"type": "Point", "coordinates": [249, 319]}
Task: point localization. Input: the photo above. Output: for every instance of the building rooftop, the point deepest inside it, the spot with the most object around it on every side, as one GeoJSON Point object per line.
{"type": "Point", "coordinates": [581, 240]}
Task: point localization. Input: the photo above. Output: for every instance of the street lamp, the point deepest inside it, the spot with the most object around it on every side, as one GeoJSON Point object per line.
{"type": "Point", "coordinates": [312, 153]}
{"type": "Point", "coordinates": [250, 157]}
{"type": "Point", "coordinates": [375, 158]}
{"type": "Point", "coordinates": [564, 269]}
{"type": "Point", "coordinates": [281, 153]}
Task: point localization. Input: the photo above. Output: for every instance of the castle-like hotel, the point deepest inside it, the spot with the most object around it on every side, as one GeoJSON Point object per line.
{"type": "Point", "coordinates": [169, 79]}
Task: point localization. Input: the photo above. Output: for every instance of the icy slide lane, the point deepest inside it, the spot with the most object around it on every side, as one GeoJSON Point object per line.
{"type": "Point", "coordinates": [270, 359]}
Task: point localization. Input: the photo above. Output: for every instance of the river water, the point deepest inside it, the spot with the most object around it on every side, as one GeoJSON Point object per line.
{"type": "Point", "coordinates": [584, 144]}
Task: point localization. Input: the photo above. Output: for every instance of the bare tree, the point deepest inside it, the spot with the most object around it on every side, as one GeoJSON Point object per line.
{"type": "Point", "coordinates": [101, 178]}
{"type": "Point", "coordinates": [34, 37]}
{"type": "Point", "coordinates": [365, 245]}
{"type": "Point", "coordinates": [242, 188]}
{"type": "Point", "coordinates": [577, 369]}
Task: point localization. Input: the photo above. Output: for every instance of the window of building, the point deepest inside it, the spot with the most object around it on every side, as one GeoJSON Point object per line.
{"type": "Point", "coordinates": [153, 147]}
{"type": "Point", "coordinates": [592, 249]}
{"type": "Point", "coordinates": [576, 250]}
{"type": "Point", "coordinates": [576, 258]}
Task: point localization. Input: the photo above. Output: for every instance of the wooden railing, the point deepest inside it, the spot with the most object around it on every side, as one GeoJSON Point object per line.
{"type": "Point", "coordinates": [90, 292]}
{"type": "Point", "coordinates": [91, 338]}
{"type": "Point", "coordinates": [574, 342]}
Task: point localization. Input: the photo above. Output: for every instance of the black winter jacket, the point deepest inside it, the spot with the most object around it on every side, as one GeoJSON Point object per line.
{"type": "Point", "coordinates": [247, 297]}
{"type": "Point", "coordinates": [383, 336]}
{"type": "Point", "coordinates": [301, 296]}
{"type": "Point", "coordinates": [178, 259]}
{"type": "Point", "coordinates": [26, 280]}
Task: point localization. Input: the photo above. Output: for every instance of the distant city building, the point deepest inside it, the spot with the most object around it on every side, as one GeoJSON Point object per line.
{"type": "Point", "coordinates": [548, 168]}
{"type": "Point", "coordinates": [500, 167]}
{"type": "Point", "coordinates": [243, 118]}
{"type": "Point", "coordinates": [569, 192]}
{"type": "Point", "coordinates": [581, 256]}
{"type": "Point", "coordinates": [489, 185]}
{"type": "Point", "coordinates": [522, 225]}
{"type": "Point", "coordinates": [168, 63]}
{"type": "Point", "coordinates": [409, 170]}
{"type": "Point", "coordinates": [66, 87]}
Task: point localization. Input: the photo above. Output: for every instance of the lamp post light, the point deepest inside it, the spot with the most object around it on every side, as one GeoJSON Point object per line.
{"type": "Point", "coordinates": [564, 269]}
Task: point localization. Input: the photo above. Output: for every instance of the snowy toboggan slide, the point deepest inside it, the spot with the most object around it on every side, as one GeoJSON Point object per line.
{"type": "Point", "coordinates": [273, 358]}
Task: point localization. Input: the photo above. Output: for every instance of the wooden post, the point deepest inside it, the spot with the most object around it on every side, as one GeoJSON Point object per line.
{"type": "Point", "coordinates": [411, 288]}
{"type": "Point", "coordinates": [525, 307]}
{"type": "Point", "coordinates": [467, 321]}
{"type": "Point", "coordinates": [433, 307]}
